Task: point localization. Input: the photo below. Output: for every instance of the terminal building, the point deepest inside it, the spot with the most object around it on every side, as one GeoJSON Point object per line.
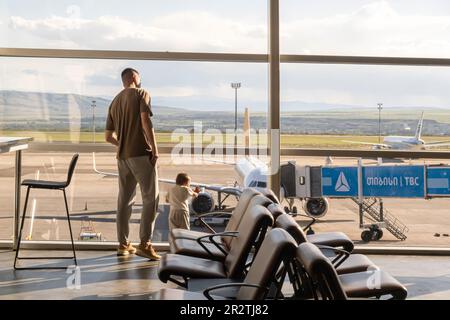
{"type": "Point", "coordinates": [315, 136]}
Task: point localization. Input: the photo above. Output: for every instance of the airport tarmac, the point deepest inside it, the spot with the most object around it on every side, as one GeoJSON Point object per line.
{"type": "Point", "coordinates": [92, 200]}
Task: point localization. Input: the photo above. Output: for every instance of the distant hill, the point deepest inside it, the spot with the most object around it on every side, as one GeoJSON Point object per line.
{"type": "Point", "coordinates": [19, 105]}
{"type": "Point", "coordinates": [66, 112]}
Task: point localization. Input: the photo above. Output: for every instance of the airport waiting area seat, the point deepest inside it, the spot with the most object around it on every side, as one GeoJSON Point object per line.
{"type": "Point", "coordinates": [277, 248]}
{"type": "Point", "coordinates": [232, 225]}
{"type": "Point", "coordinates": [216, 246]}
{"type": "Point", "coordinates": [331, 239]}
{"type": "Point", "coordinates": [47, 185]}
{"type": "Point", "coordinates": [324, 282]}
{"type": "Point", "coordinates": [343, 261]}
{"type": "Point", "coordinates": [249, 228]}
{"type": "Point", "coordinates": [311, 274]}
{"type": "Point", "coordinates": [249, 235]}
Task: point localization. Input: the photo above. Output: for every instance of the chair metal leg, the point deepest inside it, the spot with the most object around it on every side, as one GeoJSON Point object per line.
{"type": "Point", "coordinates": [70, 227]}
{"type": "Point", "coordinates": [43, 258]}
{"type": "Point", "coordinates": [21, 228]}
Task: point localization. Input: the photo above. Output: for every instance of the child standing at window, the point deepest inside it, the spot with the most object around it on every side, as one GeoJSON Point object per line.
{"type": "Point", "coordinates": [178, 197]}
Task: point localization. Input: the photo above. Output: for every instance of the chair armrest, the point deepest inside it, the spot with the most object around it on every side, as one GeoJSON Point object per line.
{"type": "Point", "coordinates": [207, 291]}
{"type": "Point", "coordinates": [341, 255]}
{"type": "Point", "coordinates": [213, 214]}
{"type": "Point", "coordinates": [211, 239]}
{"type": "Point", "coordinates": [310, 224]}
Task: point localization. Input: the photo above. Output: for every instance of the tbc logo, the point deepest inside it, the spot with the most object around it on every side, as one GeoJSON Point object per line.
{"type": "Point", "coordinates": [342, 183]}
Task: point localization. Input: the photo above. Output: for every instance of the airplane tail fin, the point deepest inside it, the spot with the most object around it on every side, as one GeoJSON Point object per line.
{"type": "Point", "coordinates": [419, 127]}
{"type": "Point", "coordinates": [247, 128]}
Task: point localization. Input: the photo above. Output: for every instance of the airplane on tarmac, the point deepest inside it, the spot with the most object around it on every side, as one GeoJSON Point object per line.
{"type": "Point", "coordinates": [405, 142]}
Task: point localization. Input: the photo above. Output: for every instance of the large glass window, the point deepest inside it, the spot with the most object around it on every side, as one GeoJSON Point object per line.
{"type": "Point", "coordinates": [57, 102]}
{"type": "Point", "coordinates": [6, 196]}
{"type": "Point", "coordinates": [336, 106]}
{"type": "Point", "coordinates": [175, 25]}
{"type": "Point", "coordinates": [369, 28]}
{"type": "Point", "coordinates": [343, 99]}
{"type": "Point", "coordinates": [62, 103]}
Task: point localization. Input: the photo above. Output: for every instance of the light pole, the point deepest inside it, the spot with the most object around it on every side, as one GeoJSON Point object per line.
{"type": "Point", "coordinates": [380, 107]}
{"type": "Point", "coordinates": [93, 118]}
{"type": "Point", "coordinates": [235, 86]}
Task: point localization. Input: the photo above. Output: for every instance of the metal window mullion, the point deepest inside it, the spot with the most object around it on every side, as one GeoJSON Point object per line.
{"type": "Point", "coordinates": [365, 60]}
{"type": "Point", "coordinates": [132, 55]}
{"type": "Point", "coordinates": [273, 121]}
{"type": "Point", "coordinates": [218, 57]}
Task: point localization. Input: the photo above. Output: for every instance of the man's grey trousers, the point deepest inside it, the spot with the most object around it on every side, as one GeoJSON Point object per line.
{"type": "Point", "coordinates": [133, 171]}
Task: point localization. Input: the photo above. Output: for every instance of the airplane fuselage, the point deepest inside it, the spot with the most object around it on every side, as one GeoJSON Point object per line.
{"type": "Point", "coordinates": [252, 173]}
{"type": "Point", "coordinates": [401, 142]}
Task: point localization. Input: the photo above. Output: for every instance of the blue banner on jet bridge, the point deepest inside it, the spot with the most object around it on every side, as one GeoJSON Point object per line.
{"type": "Point", "coordinates": [340, 181]}
{"type": "Point", "coordinates": [438, 181]}
{"type": "Point", "coordinates": [394, 181]}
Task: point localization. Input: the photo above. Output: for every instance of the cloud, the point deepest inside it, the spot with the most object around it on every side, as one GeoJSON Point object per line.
{"type": "Point", "coordinates": [374, 29]}
{"type": "Point", "coordinates": [182, 31]}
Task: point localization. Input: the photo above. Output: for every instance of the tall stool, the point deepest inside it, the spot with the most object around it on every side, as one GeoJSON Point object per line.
{"type": "Point", "coordinates": [48, 185]}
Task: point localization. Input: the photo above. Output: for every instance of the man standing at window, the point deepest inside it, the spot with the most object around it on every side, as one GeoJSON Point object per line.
{"type": "Point", "coordinates": [129, 127]}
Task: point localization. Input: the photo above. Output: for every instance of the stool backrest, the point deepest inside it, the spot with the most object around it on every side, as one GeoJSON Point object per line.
{"type": "Point", "coordinates": [72, 166]}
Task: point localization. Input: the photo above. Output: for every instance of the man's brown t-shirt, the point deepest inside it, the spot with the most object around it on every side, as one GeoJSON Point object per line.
{"type": "Point", "coordinates": [124, 118]}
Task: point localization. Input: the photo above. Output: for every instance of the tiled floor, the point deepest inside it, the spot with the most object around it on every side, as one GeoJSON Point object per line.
{"type": "Point", "coordinates": [105, 276]}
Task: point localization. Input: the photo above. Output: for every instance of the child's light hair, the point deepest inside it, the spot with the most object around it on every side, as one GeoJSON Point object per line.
{"type": "Point", "coordinates": [182, 179]}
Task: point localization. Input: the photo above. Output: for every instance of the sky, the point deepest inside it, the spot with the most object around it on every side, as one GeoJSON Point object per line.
{"type": "Point", "coordinates": [349, 27]}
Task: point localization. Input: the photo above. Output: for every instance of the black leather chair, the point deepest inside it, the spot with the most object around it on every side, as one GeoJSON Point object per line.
{"type": "Point", "coordinates": [331, 239]}
{"type": "Point", "coordinates": [325, 283]}
{"type": "Point", "coordinates": [236, 217]}
{"type": "Point", "coordinates": [343, 261]}
{"type": "Point", "coordinates": [48, 185]}
{"type": "Point", "coordinates": [278, 248]}
{"type": "Point", "coordinates": [202, 247]}
{"type": "Point", "coordinates": [251, 230]}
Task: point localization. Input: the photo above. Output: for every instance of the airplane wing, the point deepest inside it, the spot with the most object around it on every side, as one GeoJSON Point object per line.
{"type": "Point", "coordinates": [223, 189]}
{"type": "Point", "coordinates": [230, 163]}
{"type": "Point", "coordinates": [217, 188]}
{"type": "Point", "coordinates": [379, 145]}
{"type": "Point", "coordinates": [108, 174]}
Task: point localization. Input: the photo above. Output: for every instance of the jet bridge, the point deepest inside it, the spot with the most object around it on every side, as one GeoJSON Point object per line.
{"type": "Point", "coordinates": [367, 186]}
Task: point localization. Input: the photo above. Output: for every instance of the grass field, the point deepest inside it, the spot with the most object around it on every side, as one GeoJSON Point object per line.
{"type": "Point", "coordinates": [307, 141]}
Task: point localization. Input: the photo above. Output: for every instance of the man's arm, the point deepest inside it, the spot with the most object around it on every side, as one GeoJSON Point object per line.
{"type": "Point", "coordinates": [109, 137]}
{"type": "Point", "coordinates": [147, 125]}
{"type": "Point", "coordinates": [109, 129]}
{"type": "Point", "coordinates": [149, 134]}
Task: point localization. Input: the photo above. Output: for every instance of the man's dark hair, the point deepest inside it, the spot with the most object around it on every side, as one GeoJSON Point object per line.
{"type": "Point", "coordinates": [128, 73]}
{"type": "Point", "coordinates": [182, 179]}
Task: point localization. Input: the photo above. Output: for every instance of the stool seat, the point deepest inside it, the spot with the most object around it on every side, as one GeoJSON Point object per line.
{"type": "Point", "coordinates": [42, 184]}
